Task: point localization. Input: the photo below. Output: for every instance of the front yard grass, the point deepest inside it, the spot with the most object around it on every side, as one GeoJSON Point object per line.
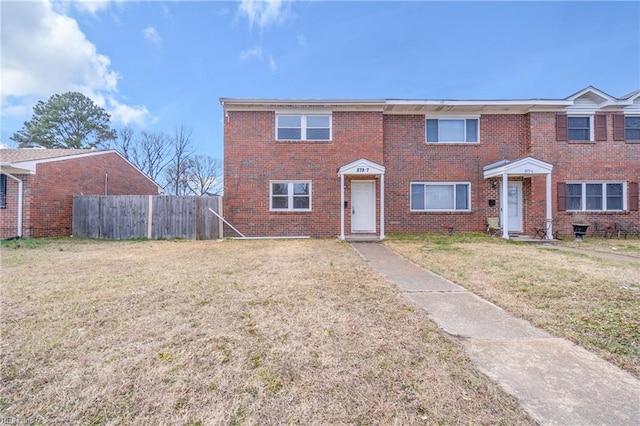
{"type": "Point", "coordinates": [590, 299]}
{"type": "Point", "coordinates": [237, 332]}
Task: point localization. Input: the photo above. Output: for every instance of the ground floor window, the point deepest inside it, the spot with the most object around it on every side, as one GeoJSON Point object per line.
{"type": "Point", "coordinates": [290, 196]}
{"type": "Point", "coordinates": [3, 191]}
{"type": "Point", "coordinates": [429, 196]}
{"type": "Point", "coordinates": [595, 196]}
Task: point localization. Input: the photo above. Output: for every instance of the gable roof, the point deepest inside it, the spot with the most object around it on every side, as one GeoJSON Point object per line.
{"type": "Point", "coordinates": [24, 160]}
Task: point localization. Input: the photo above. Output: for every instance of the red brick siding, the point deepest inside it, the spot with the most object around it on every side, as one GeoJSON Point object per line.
{"type": "Point", "coordinates": [408, 158]}
{"type": "Point", "coordinates": [599, 161]}
{"type": "Point", "coordinates": [253, 158]}
{"type": "Point", "coordinates": [48, 195]}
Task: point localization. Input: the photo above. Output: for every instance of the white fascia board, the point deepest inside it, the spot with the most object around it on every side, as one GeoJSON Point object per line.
{"type": "Point", "coordinates": [16, 170]}
{"type": "Point", "coordinates": [232, 104]}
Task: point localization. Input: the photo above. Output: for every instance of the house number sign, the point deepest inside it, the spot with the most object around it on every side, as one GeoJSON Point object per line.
{"type": "Point", "coordinates": [362, 170]}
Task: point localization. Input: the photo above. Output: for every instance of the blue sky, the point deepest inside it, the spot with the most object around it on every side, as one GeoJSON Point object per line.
{"type": "Point", "coordinates": [157, 65]}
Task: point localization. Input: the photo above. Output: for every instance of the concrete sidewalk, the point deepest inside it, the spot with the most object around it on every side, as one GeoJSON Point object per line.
{"type": "Point", "coordinates": [556, 382]}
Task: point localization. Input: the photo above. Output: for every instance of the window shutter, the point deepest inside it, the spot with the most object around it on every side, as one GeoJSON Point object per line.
{"type": "Point", "coordinates": [562, 131]}
{"type": "Point", "coordinates": [601, 127]}
{"type": "Point", "coordinates": [562, 196]}
{"type": "Point", "coordinates": [618, 127]}
{"type": "Point", "coordinates": [633, 196]}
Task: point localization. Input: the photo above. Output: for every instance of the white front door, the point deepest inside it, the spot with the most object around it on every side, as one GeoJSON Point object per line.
{"type": "Point", "coordinates": [363, 206]}
{"type": "Point", "coordinates": [514, 206]}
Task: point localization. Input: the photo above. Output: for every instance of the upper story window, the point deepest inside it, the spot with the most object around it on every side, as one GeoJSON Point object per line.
{"type": "Point", "coordinates": [579, 128]}
{"type": "Point", "coordinates": [303, 127]}
{"type": "Point", "coordinates": [595, 196]}
{"type": "Point", "coordinates": [452, 130]}
{"type": "Point", "coordinates": [632, 128]}
{"type": "Point", "coordinates": [290, 196]}
{"type": "Point", "coordinates": [427, 196]}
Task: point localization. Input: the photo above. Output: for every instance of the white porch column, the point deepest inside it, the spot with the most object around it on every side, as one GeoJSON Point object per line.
{"type": "Point", "coordinates": [381, 207]}
{"type": "Point", "coordinates": [504, 206]}
{"type": "Point", "coordinates": [341, 206]}
{"type": "Point", "coordinates": [549, 213]}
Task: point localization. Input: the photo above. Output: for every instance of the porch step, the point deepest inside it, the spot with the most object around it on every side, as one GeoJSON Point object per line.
{"type": "Point", "coordinates": [530, 240]}
{"type": "Point", "coordinates": [363, 238]}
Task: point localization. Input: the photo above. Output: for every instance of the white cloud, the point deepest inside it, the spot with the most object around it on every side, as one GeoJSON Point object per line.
{"type": "Point", "coordinates": [264, 13]}
{"type": "Point", "coordinates": [259, 55]}
{"type": "Point", "coordinates": [152, 36]}
{"type": "Point", "coordinates": [44, 52]}
{"type": "Point", "coordinates": [255, 53]}
{"type": "Point", "coordinates": [302, 40]}
{"type": "Point", "coordinates": [128, 114]}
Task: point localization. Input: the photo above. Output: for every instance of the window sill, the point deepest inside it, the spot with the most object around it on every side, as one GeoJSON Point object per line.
{"type": "Point", "coordinates": [290, 211]}
{"type": "Point", "coordinates": [452, 143]}
{"type": "Point", "coordinates": [632, 142]}
{"type": "Point", "coordinates": [302, 141]}
{"type": "Point", "coordinates": [448, 212]}
{"type": "Point", "coordinates": [582, 142]}
{"type": "Point", "coordinates": [612, 212]}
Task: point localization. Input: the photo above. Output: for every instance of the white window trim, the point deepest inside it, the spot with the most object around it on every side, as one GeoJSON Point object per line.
{"type": "Point", "coordinates": [441, 184]}
{"type": "Point", "coordinates": [583, 199]}
{"type": "Point", "coordinates": [629, 115]}
{"type": "Point", "coordinates": [591, 127]}
{"type": "Point", "coordinates": [452, 117]}
{"type": "Point", "coordinates": [290, 184]}
{"type": "Point", "coordinates": [303, 124]}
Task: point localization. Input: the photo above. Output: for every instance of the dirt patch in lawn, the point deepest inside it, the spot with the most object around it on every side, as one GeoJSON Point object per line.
{"type": "Point", "coordinates": [588, 299]}
{"type": "Point", "coordinates": [251, 332]}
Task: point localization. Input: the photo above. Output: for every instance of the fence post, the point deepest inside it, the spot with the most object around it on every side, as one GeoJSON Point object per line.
{"type": "Point", "coordinates": [220, 223]}
{"type": "Point", "coordinates": [150, 218]}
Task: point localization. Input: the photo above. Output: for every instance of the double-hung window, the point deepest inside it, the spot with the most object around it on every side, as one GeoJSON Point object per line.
{"type": "Point", "coordinates": [303, 127]}
{"type": "Point", "coordinates": [632, 128]}
{"type": "Point", "coordinates": [427, 196]}
{"type": "Point", "coordinates": [579, 128]}
{"type": "Point", "coordinates": [452, 130]}
{"type": "Point", "coordinates": [596, 196]}
{"type": "Point", "coordinates": [290, 196]}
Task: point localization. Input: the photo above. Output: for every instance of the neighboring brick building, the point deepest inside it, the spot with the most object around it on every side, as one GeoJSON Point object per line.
{"type": "Point", "coordinates": [47, 179]}
{"type": "Point", "coordinates": [341, 167]}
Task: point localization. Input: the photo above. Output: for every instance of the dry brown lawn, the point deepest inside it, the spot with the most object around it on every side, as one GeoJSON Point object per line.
{"type": "Point", "coordinates": [590, 295]}
{"type": "Point", "coordinates": [234, 332]}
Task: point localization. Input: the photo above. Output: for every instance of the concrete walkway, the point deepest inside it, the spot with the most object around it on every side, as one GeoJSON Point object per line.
{"type": "Point", "coordinates": [556, 381]}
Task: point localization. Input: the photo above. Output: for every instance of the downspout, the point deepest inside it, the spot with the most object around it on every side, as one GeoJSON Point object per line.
{"type": "Point", "coordinates": [19, 202]}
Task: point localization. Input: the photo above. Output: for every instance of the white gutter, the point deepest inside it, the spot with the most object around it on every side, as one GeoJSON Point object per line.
{"type": "Point", "coordinates": [19, 226]}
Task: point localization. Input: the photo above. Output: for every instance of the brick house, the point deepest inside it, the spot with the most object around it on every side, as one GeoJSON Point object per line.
{"type": "Point", "coordinates": [326, 168]}
{"type": "Point", "coordinates": [45, 181]}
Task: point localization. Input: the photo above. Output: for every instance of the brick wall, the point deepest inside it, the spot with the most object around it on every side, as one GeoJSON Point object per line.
{"type": "Point", "coordinates": [48, 195]}
{"type": "Point", "coordinates": [583, 161]}
{"type": "Point", "coordinates": [253, 158]}
{"type": "Point", "coordinates": [408, 158]}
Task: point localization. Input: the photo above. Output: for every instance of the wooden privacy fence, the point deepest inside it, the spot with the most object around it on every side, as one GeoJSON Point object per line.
{"type": "Point", "coordinates": [120, 217]}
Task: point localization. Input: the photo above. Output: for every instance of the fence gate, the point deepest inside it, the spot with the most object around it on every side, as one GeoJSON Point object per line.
{"type": "Point", "coordinates": [119, 217]}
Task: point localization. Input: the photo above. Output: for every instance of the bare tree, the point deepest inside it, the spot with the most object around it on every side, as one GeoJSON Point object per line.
{"type": "Point", "coordinates": [125, 143]}
{"type": "Point", "coordinates": [205, 175]}
{"type": "Point", "coordinates": [154, 153]}
{"type": "Point", "coordinates": [177, 173]}
{"type": "Point", "coordinates": [150, 152]}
